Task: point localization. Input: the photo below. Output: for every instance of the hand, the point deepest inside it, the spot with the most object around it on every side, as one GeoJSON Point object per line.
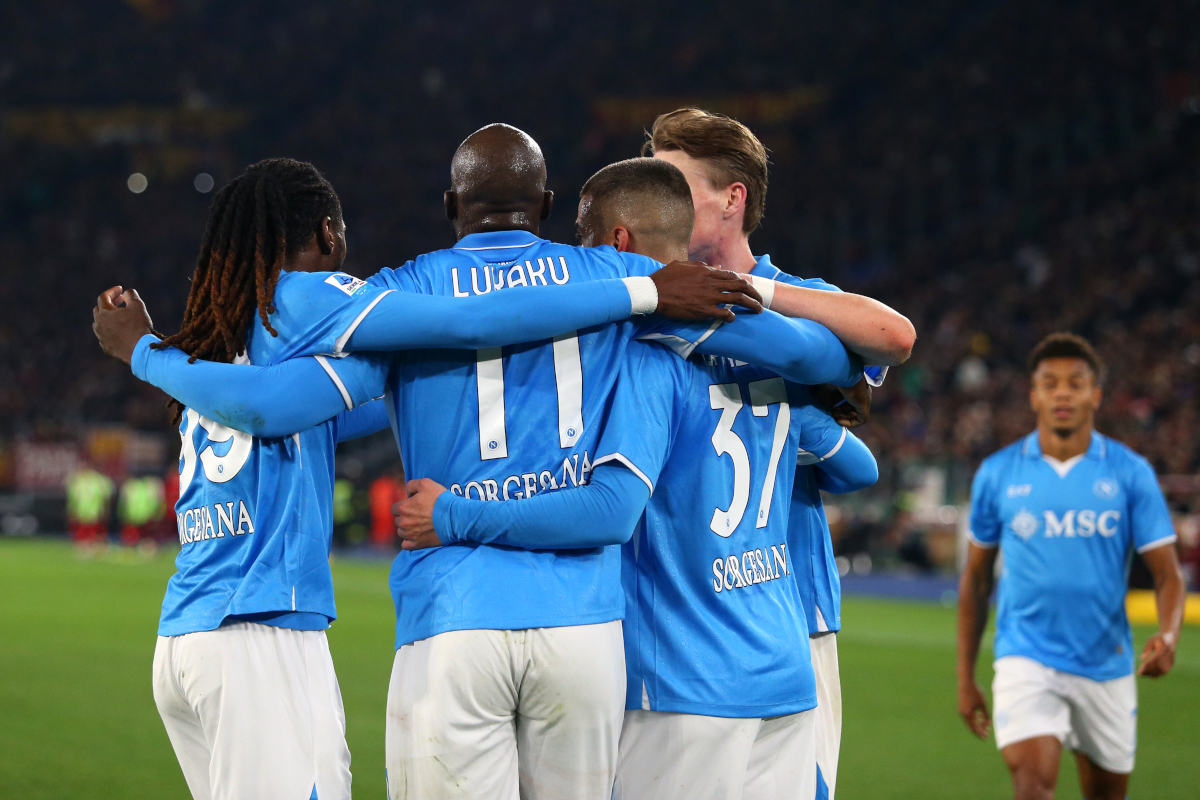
{"type": "Point", "coordinates": [118, 328]}
{"type": "Point", "coordinates": [973, 708]}
{"type": "Point", "coordinates": [414, 516]}
{"type": "Point", "coordinates": [691, 290]}
{"type": "Point", "coordinates": [1158, 657]}
{"type": "Point", "coordinates": [849, 407]}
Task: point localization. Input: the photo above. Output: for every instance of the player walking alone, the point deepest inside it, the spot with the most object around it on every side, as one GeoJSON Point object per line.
{"type": "Point", "coordinates": [1068, 506]}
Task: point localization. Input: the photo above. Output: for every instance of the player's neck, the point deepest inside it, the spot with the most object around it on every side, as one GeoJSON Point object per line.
{"type": "Point", "coordinates": [732, 253]}
{"type": "Point", "coordinates": [1063, 448]}
{"type": "Point", "coordinates": [493, 223]}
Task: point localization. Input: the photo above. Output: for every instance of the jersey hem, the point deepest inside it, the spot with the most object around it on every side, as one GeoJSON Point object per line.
{"type": "Point", "coordinates": [1100, 676]}
{"type": "Point", "coordinates": [497, 624]}
{"type": "Point", "coordinates": [184, 627]}
{"type": "Point", "coordinates": [807, 703]}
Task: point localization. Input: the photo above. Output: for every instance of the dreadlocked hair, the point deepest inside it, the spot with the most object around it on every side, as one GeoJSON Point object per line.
{"type": "Point", "coordinates": [257, 222]}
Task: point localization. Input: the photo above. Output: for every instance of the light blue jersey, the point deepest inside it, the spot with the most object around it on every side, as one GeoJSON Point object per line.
{"type": "Point", "coordinates": [1068, 531]}
{"type": "Point", "coordinates": [821, 585]}
{"type": "Point", "coordinates": [714, 623]}
{"type": "Point", "coordinates": [503, 424]}
{"type": "Point", "coordinates": [254, 516]}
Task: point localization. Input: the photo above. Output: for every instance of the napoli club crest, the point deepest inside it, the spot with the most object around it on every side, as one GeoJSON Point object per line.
{"type": "Point", "coordinates": [1106, 488]}
{"type": "Point", "coordinates": [1024, 524]}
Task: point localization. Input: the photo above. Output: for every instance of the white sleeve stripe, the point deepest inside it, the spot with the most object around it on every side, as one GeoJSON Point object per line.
{"type": "Point", "coordinates": [336, 382]}
{"type": "Point", "coordinates": [626, 462]}
{"type": "Point", "coordinates": [1164, 541]}
{"type": "Point", "coordinates": [345, 337]}
{"type": "Point", "coordinates": [977, 543]}
{"type": "Point", "coordinates": [837, 446]}
{"type": "Point", "coordinates": [877, 382]}
{"type": "Point", "coordinates": [682, 347]}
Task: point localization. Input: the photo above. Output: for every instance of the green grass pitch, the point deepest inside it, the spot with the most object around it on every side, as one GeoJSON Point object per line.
{"type": "Point", "coordinates": [77, 719]}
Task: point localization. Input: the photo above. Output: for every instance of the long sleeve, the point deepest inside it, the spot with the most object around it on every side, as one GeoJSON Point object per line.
{"type": "Point", "coordinates": [266, 402]}
{"type": "Point", "coordinates": [604, 512]}
{"type": "Point", "coordinates": [851, 468]}
{"type": "Point", "coordinates": [362, 421]}
{"type": "Point", "coordinates": [798, 349]}
{"type": "Point", "coordinates": [407, 321]}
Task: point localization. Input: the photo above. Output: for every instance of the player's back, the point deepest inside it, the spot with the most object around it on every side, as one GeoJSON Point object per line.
{"type": "Point", "coordinates": [713, 624]}
{"type": "Point", "coordinates": [254, 516]}
{"type": "Point", "coordinates": [502, 424]}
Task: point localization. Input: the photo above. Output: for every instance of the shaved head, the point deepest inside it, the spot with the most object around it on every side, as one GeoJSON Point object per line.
{"type": "Point", "coordinates": [648, 198]}
{"type": "Point", "coordinates": [498, 182]}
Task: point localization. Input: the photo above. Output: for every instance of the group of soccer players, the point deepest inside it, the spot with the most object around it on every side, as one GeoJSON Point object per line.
{"type": "Point", "coordinates": [650, 608]}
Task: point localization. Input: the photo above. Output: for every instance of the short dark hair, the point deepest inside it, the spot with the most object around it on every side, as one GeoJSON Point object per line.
{"type": "Point", "coordinates": [1066, 345]}
{"type": "Point", "coordinates": [730, 148]}
{"type": "Point", "coordinates": [651, 178]}
{"type": "Point", "coordinates": [647, 175]}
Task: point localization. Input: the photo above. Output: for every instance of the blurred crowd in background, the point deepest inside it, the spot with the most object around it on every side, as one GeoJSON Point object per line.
{"type": "Point", "coordinates": [994, 170]}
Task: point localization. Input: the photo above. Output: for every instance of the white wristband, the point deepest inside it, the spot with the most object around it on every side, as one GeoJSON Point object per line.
{"type": "Point", "coordinates": [643, 295]}
{"type": "Point", "coordinates": [765, 287]}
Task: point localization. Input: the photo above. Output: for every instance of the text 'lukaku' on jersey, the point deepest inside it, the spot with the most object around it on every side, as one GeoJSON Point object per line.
{"type": "Point", "coordinates": [504, 423]}
{"type": "Point", "coordinates": [1067, 531]}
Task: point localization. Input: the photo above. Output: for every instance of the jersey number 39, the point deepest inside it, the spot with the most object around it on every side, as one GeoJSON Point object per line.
{"type": "Point", "coordinates": [727, 398]}
{"type": "Point", "coordinates": [218, 469]}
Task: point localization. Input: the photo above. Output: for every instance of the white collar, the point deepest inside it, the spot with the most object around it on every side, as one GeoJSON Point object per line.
{"type": "Point", "coordinates": [1062, 467]}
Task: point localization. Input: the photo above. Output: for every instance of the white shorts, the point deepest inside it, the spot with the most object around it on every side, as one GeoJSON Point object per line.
{"type": "Point", "coordinates": [530, 714]}
{"type": "Point", "coordinates": [254, 713]}
{"type": "Point", "coordinates": [1096, 718]}
{"type": "Point", "coordinates": [829, 707]}
{"type": "Point", "coordinates": [666, 756]}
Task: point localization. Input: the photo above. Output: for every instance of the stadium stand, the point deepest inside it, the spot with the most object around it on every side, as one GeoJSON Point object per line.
{"type": "Point", "coordinates": [995, 170]}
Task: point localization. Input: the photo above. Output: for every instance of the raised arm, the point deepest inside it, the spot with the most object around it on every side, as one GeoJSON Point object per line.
{"type": "Point", "coordinates": [603, 512]}
{"type": "Point", "coordinates": [879, 334]}
{"type": "Point", "coordinates": [974, 594]}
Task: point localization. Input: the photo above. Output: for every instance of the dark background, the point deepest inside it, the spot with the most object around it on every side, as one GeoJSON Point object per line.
{"type": "Point", "coordinates": [994, 170]}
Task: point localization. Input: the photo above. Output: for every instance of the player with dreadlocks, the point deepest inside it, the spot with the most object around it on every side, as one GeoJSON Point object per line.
{"type": "Point", "coordinates": [243, 676]}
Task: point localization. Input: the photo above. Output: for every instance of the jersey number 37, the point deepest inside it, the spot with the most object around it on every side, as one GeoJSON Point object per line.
{"type": "Point", "coordinates": [727, 398]}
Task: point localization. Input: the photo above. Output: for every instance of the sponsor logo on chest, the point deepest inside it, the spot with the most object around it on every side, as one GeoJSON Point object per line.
{"type": "Point", "coordinates": [1083, 522]}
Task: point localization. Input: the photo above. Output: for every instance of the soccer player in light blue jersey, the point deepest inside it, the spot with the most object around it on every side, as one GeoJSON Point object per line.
{"type": "Point", "coordinates": [726, 168]}
{"type": "Point", "coordinates": [704, 718]}
{"type": "Point", "coordinates": [502, 425]}
{"type": "Point", "coordinates": [242, 675]}
{"type": "Point", "coordinates": [1069, 507]}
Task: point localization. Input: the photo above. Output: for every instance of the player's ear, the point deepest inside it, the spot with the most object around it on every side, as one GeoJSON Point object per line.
{"type": "Point", "coordinates": [547, 204]}
{"type": "Point", "coordinates": [450, 199]}
{"type": "Point", "coordinates": [735, 199]}
{"type": "Point", "coordinates": [326, 238]}
{"type": "Point", "coordinates": [620, 238]}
